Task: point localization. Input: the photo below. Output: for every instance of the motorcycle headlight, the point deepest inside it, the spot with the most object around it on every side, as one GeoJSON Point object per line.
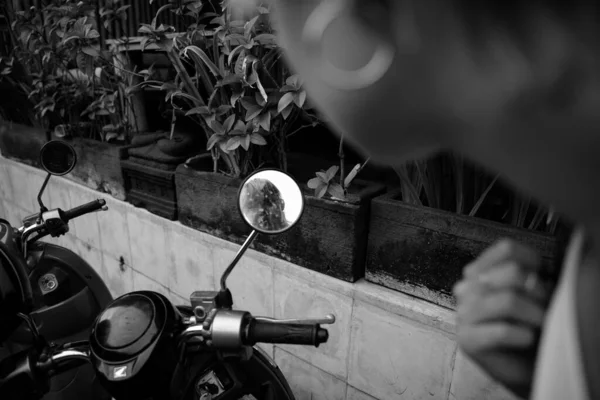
{"type": "Point", "coordinates": [133, 345]}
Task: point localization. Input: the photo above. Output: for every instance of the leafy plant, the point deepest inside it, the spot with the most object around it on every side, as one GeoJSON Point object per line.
{"type": "Point", "coordinates": [446, 182]}
{"type": "Point", "coordinates": [70, 81]}
{"type": "Point", "coordinates": [231, 81]}
{"type": "Point", "coordinates": [324, 183]}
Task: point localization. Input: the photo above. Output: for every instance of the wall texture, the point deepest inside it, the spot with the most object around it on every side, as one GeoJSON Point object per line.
{"type": "Point", "coordinates": [384, 345]}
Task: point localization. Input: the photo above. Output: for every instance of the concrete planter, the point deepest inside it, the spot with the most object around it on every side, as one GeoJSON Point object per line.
{"type": "Point", "coordinates": [422, 251]}
{"type": "Point", "coordinates": [330, 238]}
{"type": "Point", "coordinates": [98, 166]}
{"type": "Point", "coordinates": [22, 143]}
{"type": "Point", "coordinates": [149, 171]}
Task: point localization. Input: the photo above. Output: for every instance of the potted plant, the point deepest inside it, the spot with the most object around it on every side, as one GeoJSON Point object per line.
{"type": "Point", "coordinates": [331, 238]}
{"type": "Point", "coordinates": [231, 83]}
{"type": "Point", "coordinates": [22, 133]}
{"type": "Point", "coordinates": [75, 90]}
{"type": "Point", "coordinates": [444, 213]}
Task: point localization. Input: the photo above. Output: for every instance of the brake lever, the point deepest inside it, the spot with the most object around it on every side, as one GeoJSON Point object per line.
{"type": "Point", "coordinates": [328, 320]}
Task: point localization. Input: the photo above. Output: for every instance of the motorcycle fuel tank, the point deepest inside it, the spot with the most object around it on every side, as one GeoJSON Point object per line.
{"type": "Point", "coordinates": [133, 346]}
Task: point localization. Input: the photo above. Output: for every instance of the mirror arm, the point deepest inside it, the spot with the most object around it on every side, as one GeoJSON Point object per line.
{"type": "Point", "coordinates": [43, 208]}
{"type": "Point", "coordinates": [239, 255]}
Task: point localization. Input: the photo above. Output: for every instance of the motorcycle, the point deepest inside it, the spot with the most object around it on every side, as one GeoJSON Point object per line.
{"type": "Point", "coordinates": [143, 347]}
{"type": "Point", "coordinates": [64, 295]}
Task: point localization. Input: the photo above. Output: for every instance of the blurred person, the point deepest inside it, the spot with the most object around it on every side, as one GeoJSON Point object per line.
{"type": "Point", "coordinates": [513, 86]}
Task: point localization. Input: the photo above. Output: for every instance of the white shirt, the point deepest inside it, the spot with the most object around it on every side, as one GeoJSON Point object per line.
{"type": "Point", "coordinates": [559, 374]}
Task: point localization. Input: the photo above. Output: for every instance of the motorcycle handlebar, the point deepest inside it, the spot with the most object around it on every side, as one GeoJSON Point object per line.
{"type": "Point", "coordinates": [65, 359]}
{"type": "Point", "coordinates": [284, 333]}
{"type": "Point", "coordinates": [92, 206]}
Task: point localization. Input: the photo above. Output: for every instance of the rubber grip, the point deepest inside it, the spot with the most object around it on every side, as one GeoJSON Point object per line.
{"type": "Point", "coordinates": [270, 332]}
{"type": "Point", "coordinates": [84, 209]}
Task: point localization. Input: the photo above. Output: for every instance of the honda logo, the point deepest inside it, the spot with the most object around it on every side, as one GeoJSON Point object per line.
{"type": "Point", "coordinates": [120, 372]}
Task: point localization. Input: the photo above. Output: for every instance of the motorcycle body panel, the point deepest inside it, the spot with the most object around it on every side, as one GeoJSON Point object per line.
{"type": "Point", "coordinates": [68, 296]}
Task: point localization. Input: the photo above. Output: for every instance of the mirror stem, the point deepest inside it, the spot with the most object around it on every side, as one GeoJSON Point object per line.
{"type": "Point", "coordinates": [239, 255]}
{"type": "Point", "coordinates": [39, 198]}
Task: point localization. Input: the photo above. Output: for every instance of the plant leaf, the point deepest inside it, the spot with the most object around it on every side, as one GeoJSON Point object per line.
{"type": "Point", "coordinates": [285, 101]}
{"type": "Point", "coordinates": [235, 97]}
{"type": "Point", "coordinates": [331, 172]}
{"type": "Point", "coordinates": [223, 109]}
{"type": "Point", "coordinates": [228, 124]}
{"type": "Point", "coordinates": [245, 141]}
{"type": "Point", "coordinates": [258, 139]}
{"type": "Point", "coordinates": [253, 112]}
{"type": "Point", "coordinates": [295, 81]}
{"type": "Point", "coordinates": [250, 25]}
{"type": "Point", "coordinates": [300, 98]}
{"type": "Point", "coordinates": [287, 111]}
{"type": "Point", "coordinates": [240, 126]}
{"type": "Point", "coordinates": [314, 183]}
{"type": "Point", "coordinates": [229, 80]}
{"type": "Point", "coordinates": [204, 57]}
{"type": "Point", "coordinates": [551, 216]}
{"type": "Point", "coordinates": [214, 139]}
{"type": "Point", "coordinates": [336, 190]}
{"type": "Point", "coordinates": [323, 176]}
{"type": "Point", "coordinates": [483, 196]}
{"type": "Point", "coordinates": [223, 145]}
{"type": "Point", "coordinates": [233, 143]}
{"type": "Point", "coordinates": [321, 190]}
{"type": "Point", "coordinates": [248, 102]}
{"type": "Point", "coordinates": [266, 39]}
{"type": "Point", "coordinates": [264, 120]}
{"type": "Point", "coordinates": [202, 110]}
{"type": "Point", "coordinates": [235, 52]}
{"type": "Point", "coordinates": [217, 127]}
{"type": "Point", "coordinates": [351, 175]}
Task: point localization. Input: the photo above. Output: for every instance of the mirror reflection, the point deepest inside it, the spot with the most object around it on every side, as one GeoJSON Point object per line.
{"type": "Point", "coordinates": [270, 201]}
{"type": "Point", "coordinates": [58, 157]}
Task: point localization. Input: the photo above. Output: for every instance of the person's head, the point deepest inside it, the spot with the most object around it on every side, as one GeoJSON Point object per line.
{"type": "Point", "coordinates": [512, 85]}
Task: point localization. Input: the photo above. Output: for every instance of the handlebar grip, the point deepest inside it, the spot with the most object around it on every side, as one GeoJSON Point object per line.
{"type": "Point", "coordinates": [271, 332]}
{"type": "Point", "coordinates": [84, 209]}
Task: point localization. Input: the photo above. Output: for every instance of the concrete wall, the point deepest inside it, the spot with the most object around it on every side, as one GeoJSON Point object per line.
{"type": "Point", "coordinates": [384, 345]}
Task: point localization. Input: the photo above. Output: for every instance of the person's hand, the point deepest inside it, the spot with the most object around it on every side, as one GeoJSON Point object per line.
{"type": "Point", "coordinates": [501, 304]}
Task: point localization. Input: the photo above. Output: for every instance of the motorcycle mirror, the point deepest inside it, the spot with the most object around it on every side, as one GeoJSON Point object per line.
{"type": "Point", "coordinates": [58, 157]}
{"type": "Point", "coordinates": [270, 201]}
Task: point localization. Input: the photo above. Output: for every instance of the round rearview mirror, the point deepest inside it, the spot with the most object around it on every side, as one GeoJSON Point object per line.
{"type": "Point", "coordinates": [58, 157]}
{"type": "Point", "coordinates": [270, 201]}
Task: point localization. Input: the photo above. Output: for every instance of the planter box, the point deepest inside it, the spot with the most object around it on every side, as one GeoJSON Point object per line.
{"type": "Point", "coordinates": [22, 143]}
{"type": "Point", "coordinates": [208, 202]}
{"type": "Point", "coordinates": [149, 172]}
{"type": "Point", "coordinates": [330, 238]}
{"type": "Point", "coordinates": [98, 166]}
{"type": "Point", "coordinates": [422, 251]}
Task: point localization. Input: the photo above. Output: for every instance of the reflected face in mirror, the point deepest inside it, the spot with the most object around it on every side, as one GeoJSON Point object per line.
{"type": "Point", "coordinates": [58, 158]}
{"type": "Point", "coordinates": [270, 201]}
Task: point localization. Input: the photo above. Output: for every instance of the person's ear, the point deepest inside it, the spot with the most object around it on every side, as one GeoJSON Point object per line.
{"type": "Point", "coordinates": [392, 21]}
